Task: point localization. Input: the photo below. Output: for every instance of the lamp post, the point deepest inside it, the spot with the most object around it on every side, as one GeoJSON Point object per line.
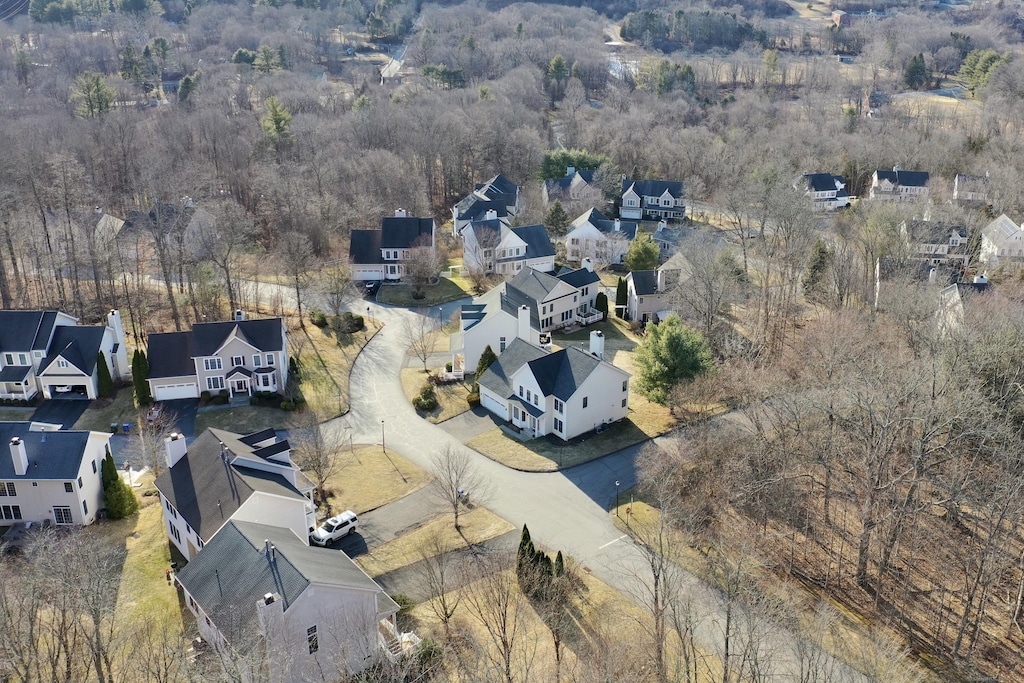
{"type": "Point", "coordinates": [617, 497]}
{"type": "Point", "coordinates": [382, 438]}
{"type": "Point", "coordinates": [367, 314]}
{"type": "Point", "coordinates": [128, 469]}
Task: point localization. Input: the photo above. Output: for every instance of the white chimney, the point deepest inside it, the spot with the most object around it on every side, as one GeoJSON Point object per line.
{"type": "Point", "coordinates": [175, 448]}
{"type": "Point", "coordinates": [523, 331]}
{"type": "Point", "coordinates": [98, 210]}
{"type": "Point", "coordinates": [662, 224]}
{"type": "Point", "coordinates": [588, 265]}
{"type": "Point", "coordinates": [597, 344]}
{"type": "Point", "coordinates": [239, 315]}
{"type": "Point", "coordinates": [661, 280]}
{"type": "Point", "coordinates": [618, 224]}
{"type": "Point", "coordinates": [932, 276]}
{"type": "Point", "coordinates": [270, 611]}
{"type": "Point", "coordinates": [491, 215]}
{"type": "Point", "coordinates": [19, 456]}
{"type": "Point", "coordinates": [981, 279]}
{"type": "Point", "coordinates": [401, 213]}
{"type": "Point", "coordinates": [187, 202]}
{"type": "Point", "coordinates": [570, 171]}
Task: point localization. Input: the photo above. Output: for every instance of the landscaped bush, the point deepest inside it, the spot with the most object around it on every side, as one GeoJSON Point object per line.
{"type": "Point", "coordinates": [205, 397]}
{"type": "Point", "coordinates": [427, 400]}
{"type": "Point", "coordinates": [318, 318]}
{"type": "Point", "coordinates": [347, 323]}
{"type": "Point", "coordinates": [287, 405]}
{"type": "Point", "coordinates": [448, 366]}
{"type": "Point", "coordinates": [473, 400]}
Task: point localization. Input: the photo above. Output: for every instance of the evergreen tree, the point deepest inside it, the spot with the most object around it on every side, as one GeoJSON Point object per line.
{"type": "Point", "coordinates": [601, 304]}
{"type": "Point", "coordinates": [557, 220]}
{"type": "Point", "coordinates": [104, 383]}
{"type": "Point", "coordinates": [117, 495]}
{"type": "Point", "coordinates": [814, 278]}
{"type": "Point", "coordinates": [486, 358]}
{"type": "Point", "coordinates": [917, 75]}
{"type": "Point", "coordinates": [621, 298]}
{"type": "Point", "coordinates": [559, 565]}
{"type": "Point", "coordinates": [643, 253]}
{"type": "Point", "coordinates": [670, 353]}
{"type": "Point", "coordinates": [140, 371]}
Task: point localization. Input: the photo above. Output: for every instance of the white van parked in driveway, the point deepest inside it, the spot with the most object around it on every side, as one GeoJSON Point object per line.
{"type": "Point", "coordinates": [335, 528]}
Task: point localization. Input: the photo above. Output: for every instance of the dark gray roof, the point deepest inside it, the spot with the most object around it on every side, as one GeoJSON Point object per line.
{"type": "Point", "coordinates": [653, 188]}
{"type": "Point", "coordinates": [538, 244]}
{"type": "Point", "coordinates": [364, 247]}
{"type": "Point", "coordinates": [933, 232]}
{"type": "Point", "coordinates": [26, 330]}
{"type": "Point", "coordinates": [516, 355]}
{"type": "Point", "coordinates": [480, 228]}
{"type": "Point", "coordinates": [170, 355]}
{"type": "Point", "coordinates": [563, 183]}
{"type": "Point", "coordinates": [401, 232]}
{"type": "Point", "coordinates": [581, 277]}
{"type": "Point", "coordinates": [51, 455]}
{"type": "Point", "coordinates": [561, 373]}
{"type": "Point", "coordinates": [15, 373]}
{"type": "Point", "coordinates": [533, 283]}
{"type": "Point", "coordinates": [823, 182]}
{"type": "Point", "coordinates": [499, 184]}
{"type": "Point", "coordinates": [528, 407]}
{"type": "Point", "coordinates": [474, 207]}
{"type": "Point", "coordinates": [78, 345]}
{"type": "Point", "coordinates": [645, 282]}
{"type": "Point", "coordinates": [245, 372]}
{"type": "Point", "coordinates": [907, 178]}
{"type": "Point", "coordinates": [235, 569]}
{"type": "Point", "coordinates": [512, 299]}
{"type": "Point", "coordinates": [206, 491]}
{"type": "Point", "coordinates": [265, 334]}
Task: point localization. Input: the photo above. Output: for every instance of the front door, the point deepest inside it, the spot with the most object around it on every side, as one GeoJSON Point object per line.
{"type": "Point", "coordinates": [241, 386]}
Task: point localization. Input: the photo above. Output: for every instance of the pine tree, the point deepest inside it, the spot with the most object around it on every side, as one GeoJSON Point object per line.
{"type": "Point", "coordinates": [621, 298]}
{"type": "Point", "coordinates": [524, 556]}
{"type": "Point", "coordinates": [601, 304]}
{"type": "Point", "coordinates": [104, 383]}
{"type": "Point", "coordinates": [557, 220]}
{"type": "Point", "coordinates": [559, 565]}
{"type": "Point", "coordinates": [117, 495]}
{"type": "Point", "coordinates": [140, 371]}
{"type": "Point", "coordinates": [486, 358]}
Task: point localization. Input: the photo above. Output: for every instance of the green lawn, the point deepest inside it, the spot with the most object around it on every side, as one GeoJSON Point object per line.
{"type": "Point", "coordinates": [104, 411]}
{"type": "Point", "coordinates": [401, 295]}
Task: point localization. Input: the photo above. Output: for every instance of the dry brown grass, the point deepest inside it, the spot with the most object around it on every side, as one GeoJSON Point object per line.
{"type": "Point", "coordinates": [451, 398]}
{"type": "Point", "coordinates": [475, 526]}
{"type": "Point", "coordinates": [369, 479]}
{"type": "Point", "coordinates": [327, 365]}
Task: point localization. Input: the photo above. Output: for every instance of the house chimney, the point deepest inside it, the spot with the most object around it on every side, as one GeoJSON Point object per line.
{"type": "Point", "coordinates": [98, 210]}
{"type": "Point", "coordinates": [523, 331]}
{"type": "Point", "coordinates": [588, 265]}
{"type": "Point", "coordinates": [401, 213]}
{"type": "Point", "coordinates": [932, 276]}
{"type": "Point", "coordinates": [661, 280]}
{"type": "Point", "coordinates": [175, 448]}
{"type": "Point", "coordinates": [491, 215]}
{"type": "Point", "coordinates": [19, 456]}
{"type": "Point", "coordinates": [662, 224]}
{"type": "Point", "coordinates": [270, 610]}
{"type": "Point", "coordinates": [981, 279]}
{"type": "Point", "coordinates": [618, 224]}
{"type": "Point", "coordinates": [187, 202]}
{"type": "Point", "coordinates": [570, 171]}
{"type": "Point", "coordinates": [597, 344]}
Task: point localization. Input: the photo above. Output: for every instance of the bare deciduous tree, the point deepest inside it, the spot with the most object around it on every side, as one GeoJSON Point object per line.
{"type": "Point", "coordinates": [456, 478]}
{"type": "Point", "coordinates": [417, 333]}
{"type": "Point", "coordinates": [316, 450]}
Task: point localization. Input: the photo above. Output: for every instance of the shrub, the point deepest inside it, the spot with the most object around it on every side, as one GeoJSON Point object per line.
{"type": "Point", "coordinates": [473, 400]}
{"type": "Point", "coordinates": [224, 393]}
{"type": "Point", "coordinates": [448, 366]}
{"type": "Point", "coordinates": [118, 497]}
{"type": "Point", "coordinates": [403, 620]}
{"type": "Point", "coordinates": [204, 397]}
{"type": "Point", "coordinates": [254, 400]}
{"type": "Point", "coordinates": [427, 400]}
{"type": "Point", "coordinates": [287, 405]}
{"type": "Point", "coordinates": [318, 318]}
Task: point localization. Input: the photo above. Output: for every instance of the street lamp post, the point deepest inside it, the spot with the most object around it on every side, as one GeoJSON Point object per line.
{"type": "Point", "coordinates": [128, 469]}
{"type": "Point", "coordinates": [367, 314]}
{"type": "Point", "coordinates": [382, 437]}
{"type": "Point", "coordinates": [617, 497]}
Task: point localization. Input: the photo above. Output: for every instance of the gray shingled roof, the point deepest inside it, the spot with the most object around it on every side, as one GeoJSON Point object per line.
{"type": "Point", "coordinates": [906, 178]}
{"type": "Point", "coordinates": [51, 455]}
{"type": "Point", "coordinates": [234, 570]}
{"type": "Point", "coordinates": [645, 282]}
{"type": "Point", "coordinates": [78, 345]}
{"type": "Point", "coordinates": [538, 243]}
{"type": "Point", "coordinates": [265, 334]}
{"type": "Point", "coordinates": [533, 283]}
{"type": "Point", "coordinates": [206, 491]}
{"type": "Point", "coordinates": [516, 355]}
{"type": "Point", "coordinates": [933, 232]}
{"type": "Point", "coordinates": [364, 247]}
{"type": "Point", "coordinates": [561, 373]}
{"type": "Point", "coordinates": [402, 232]}
{"type": "Point", "coordinates": [170, 355]}
{"type": "Point", "coordinates": [25, 330]}
{"type": "Point", "coordinates": [653, 188]}
{"type": "Point", "coordinates": [581, 277]}
{"type": "Point", "coordinates": [823, 182]}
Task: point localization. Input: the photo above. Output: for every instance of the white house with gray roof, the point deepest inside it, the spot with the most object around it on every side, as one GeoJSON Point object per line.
{"type": "Point", "coordinates": [268, 603]}
{"type": "Point", "coordinates": [1002, 244]}
{"type": "Point", "coordinates": [49, 476]}
{"type": "Point", "coordinates": [222, 477]}
{"type": "Point", "coordinates": [491, 247]}
{"type": "Point", "coordinates": [566, 393]}
{"type": "Point", "coordinates": [593, 235]}
{"type": "Point", "coordinates": [498, 198]}
{"type": "Point", "coordinates": [239, 356]}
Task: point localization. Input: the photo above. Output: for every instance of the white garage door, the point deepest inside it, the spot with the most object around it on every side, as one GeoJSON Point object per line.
{"type": "Point", "coordinates": [167, 392]}
{"type": "Point", "coordinates": [367, 274]}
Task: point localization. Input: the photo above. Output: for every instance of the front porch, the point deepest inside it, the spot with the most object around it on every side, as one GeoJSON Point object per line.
{"type": "Point", "coordinates": [393, 643]}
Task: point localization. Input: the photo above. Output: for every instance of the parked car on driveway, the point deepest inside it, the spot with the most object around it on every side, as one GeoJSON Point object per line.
{"type": "Point", "coordinates": [335, 528]}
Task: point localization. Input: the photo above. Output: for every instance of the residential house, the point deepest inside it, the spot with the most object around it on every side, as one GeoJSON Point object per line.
{"type": "Point", "coordinates": [176, 226]}
{"type": "Point", "coordinates": [378, 255]}
{"type": "Point", "coordinates": [492, 247]}
{"type": "Point", "coordinates": [239, 356]}
{"type": "Point", "coordinates": [565, 393]}
{"type": "Point", "coordinates": [498, 195]}
{"type": "Point", "coordinates": [268, 603]}
{"type": "Point", "coordinates": [576, 190]}
{"type": "Point", "coordinates": [594, 236]}
{"type": "Point", "coordinates": [647, 295]}
{"type": "Point", "coordinates": [936, 242]}
{"type": "Point", "coordinates": [529, 306]}
{"type": "Point", "coordinates": [952, 300]}
{"type": "Point", "coordinates": [652, 200]}
{"type": "Point", "coordinates": [1002, 244]}
{"type": "Point", "coordinates": [898, 185]}
{"type": "Point", "coordinates": [970, 189]}
{"type": "Point", "coordinates": [841, 18]}
{"type": "Point", "coordinates": [894, 274]}
{"type": "Point", "coordinates": [49, 476]}
{"type": "Point", "coordinates": [221, 477]}
{"type": "Point", "coordinates": [48, 352]}
{"type": "Point", "coordinates": [827, 191]}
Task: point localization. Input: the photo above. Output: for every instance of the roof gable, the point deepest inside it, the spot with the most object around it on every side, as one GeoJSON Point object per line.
{"type": "Point", "coordinates": [644, 282]}
{"type": "Point", "coordinates": [78, 345]}
{"type": "Point", "coordinates": [404, 232]}
{"type": "Point", "coordinates": [263, 334]}
{"type": "Point", "coordinates": [535, 237]}
{"type": "Point", "coordinates": [364, 247]}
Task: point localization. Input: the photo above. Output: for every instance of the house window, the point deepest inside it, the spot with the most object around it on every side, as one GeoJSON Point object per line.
{"type": "Point", "coordinates": [212, 364]}
{"type": "Point", "coordinates": [11, 511]}
{"type": "Point", "coordinates": [559, 426]}
{"type": "Point", "coordinates": [62, 514]}
{"type": "Point", "coordinates": [85, 507]}
{"type": "Point", "coordinates": [257, 361]}
{"type": "Point", "coordinates": [94, 467]}
{"type": "Point", "coordinates": [170, 508]}
{"type": "Point", "coordinates": [623, 403]}
{"type": "Point", "coordinates": [22, 359]}
{"type": "Point", "coordinates": [528, 396]}
{"type": "Point", "coordinates": [585, 401]}
{"type": "Point", "coordinates": [61, 363]}
{"type": "Point", "coordinates": [266, 380]}
{"type": "Point", "coordinates": [8, 359]}
{"type": "Point", "coordinates": [237, 361]}
{"type": "Point", "coordinates": [535, 397]}
{"type": "Point", "coordinates": [575, 241]}
{"type": "Point", "coordinates": [69, 487]}
{"type": "Point", "coordinates": [625, 384]}
{"type": "Point", "coordinates": [520, 391]}
{"type": "Point", "coordinates": [270, 359]}
{"type": "Point", "coordinates": [312, 640]}
{"type": "Point", "coordinates": [559, 406]}
{"type": "Point", "coordinates": [501, 345]}
{"type": "Point", "coordinates": [174, 532]}
{"type": "Point", "coordinates": [79, 482]}
{"type": "Point", "coordinates": [7, 489]}
{"type": "Point", "coordinates": [515, 412]}
{"type": "Point", "coordinates": [214, 383]}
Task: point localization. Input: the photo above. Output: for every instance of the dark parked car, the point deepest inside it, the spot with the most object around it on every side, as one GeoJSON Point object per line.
{"type": "Point", "coordinates": [372, 286]}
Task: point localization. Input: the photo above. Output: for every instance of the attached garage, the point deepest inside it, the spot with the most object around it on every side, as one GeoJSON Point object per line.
{"type": "Point", "coordinates": [362, 273]}
{"type": "Point", "coordinates": [66, 388]}
{"type": "Point", "coordinates": [168, 392]}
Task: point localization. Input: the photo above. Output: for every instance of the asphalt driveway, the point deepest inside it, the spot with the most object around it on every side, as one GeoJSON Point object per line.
{"type": "Point", "coordinates": [62, 411]}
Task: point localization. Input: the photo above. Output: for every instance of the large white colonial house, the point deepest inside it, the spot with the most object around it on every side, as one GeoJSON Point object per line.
{"type": "Point", "coordinates": [276, 609]}
{"type": "Point", "coordinates": [898, 185]}
{"type": "Point", "coordinates": [827, 191]}
{"type": "Point", "coordinates": [239, 356]}
{"type": "Point", "coordinates": [565, 393]}
{"type": "Point", "coordinates": [498, 198]}
{"type": "Point", "coordinates": [1002, 244]}
{"type": "Point", "coordinates": [593, 235]}
{"type": "Point", "coordinates": [652, 200]}
{"type": "Point", "coordinates": [223, 476]}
